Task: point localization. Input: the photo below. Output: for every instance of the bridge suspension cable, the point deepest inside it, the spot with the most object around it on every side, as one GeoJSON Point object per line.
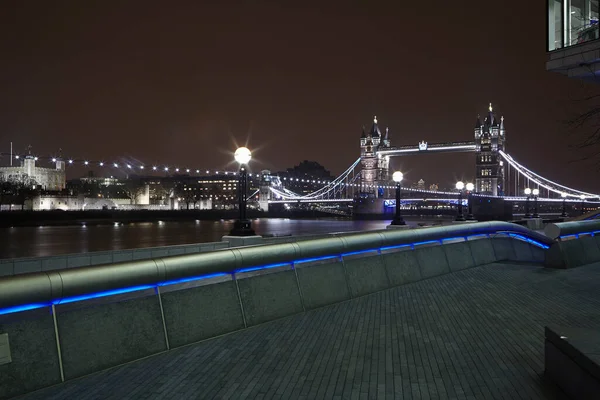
{"type": "Point", "coordinates": [543, 182]}
{"type": "Point", "coordinates": [331, 187]}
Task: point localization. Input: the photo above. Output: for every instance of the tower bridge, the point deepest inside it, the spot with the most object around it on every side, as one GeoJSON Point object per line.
{"type": "Point", "coordinates": [497, 174]}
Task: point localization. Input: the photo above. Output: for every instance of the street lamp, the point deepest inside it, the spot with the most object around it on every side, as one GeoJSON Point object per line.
{"type": "Point", "coordinates": [397, 177]}
{"type": "Point", "coordinates": [242, 226]}
{"type": "Point", "coordinates": [535, 193]}
{"type": "Point", "coordinates": [470, 188]}
{"type": "Point", "coordinates": [460, 186]}
{"type": "Point", "coordinates": [527, 193]}
{"type": "Point", "coordinates": [564, 210]}
{"type": "Point", "coordinates": [582, 197]}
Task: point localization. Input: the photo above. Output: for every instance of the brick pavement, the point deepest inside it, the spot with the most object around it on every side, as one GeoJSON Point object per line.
{"type": "Point", "coordinates": [474, 334]}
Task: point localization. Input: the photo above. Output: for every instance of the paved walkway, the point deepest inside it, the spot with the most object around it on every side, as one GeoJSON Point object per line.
{"type": "Point", "coordinates": [474, 334]}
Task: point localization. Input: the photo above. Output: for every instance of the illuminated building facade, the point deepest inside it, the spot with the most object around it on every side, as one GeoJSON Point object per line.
{"type": "Point", "coordinates": [490, 138]}
{"type": "Point", "coordinates": [49, 179]}
{"type": "Point", "coordinates": [375, 167]}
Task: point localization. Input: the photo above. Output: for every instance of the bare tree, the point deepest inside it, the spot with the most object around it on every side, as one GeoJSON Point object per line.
{"type": "Point", "coordinates": [132, 189]}
{"type": "Point", "coordinates": [20, 187]}
{"type": "Point", "coordinates": [585, 128]}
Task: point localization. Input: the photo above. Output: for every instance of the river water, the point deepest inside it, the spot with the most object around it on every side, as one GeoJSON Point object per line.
{"type": "Point", "coordinates": [53, 240]}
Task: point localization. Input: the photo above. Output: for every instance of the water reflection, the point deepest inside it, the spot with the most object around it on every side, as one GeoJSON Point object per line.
{"type": "Point", "coordinates": [53, 240]}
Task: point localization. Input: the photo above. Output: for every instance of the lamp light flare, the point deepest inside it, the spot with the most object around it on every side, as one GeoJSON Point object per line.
{"type": "Point", "coordinates": [563, 195]}
{"type": "Point", "coordinates": [527, 191]}
{"type": "Point", "coordinates": [154, 168]}
{"type": "Point", "coordinates": [86, 163]}
{"type": "Point", "coordinates": [102, 164]}
{"type": "Point", "coordinates": [535, 192]}
{"type": "Point", "coordinates": [470, 187]}
{"type": "Point", "coordinates": [460, 185]}
{"type": "Point", "coordinates": [116, 165]}
{"type": "Point", "coordinates": [397, 176]}
{"type": "Point", "coordinates": [70, 161]}
{"type": "Point", "coordinates": [243, 155]}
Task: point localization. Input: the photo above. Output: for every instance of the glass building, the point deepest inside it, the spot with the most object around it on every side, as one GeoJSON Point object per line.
{"type": "Point", "coordinates": [571, 22]}
{"type": "Point", "coordinates": [572, 38]}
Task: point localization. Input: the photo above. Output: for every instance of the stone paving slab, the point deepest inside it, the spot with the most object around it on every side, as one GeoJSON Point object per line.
{"type": "Point", "coordinates": [473, 334]}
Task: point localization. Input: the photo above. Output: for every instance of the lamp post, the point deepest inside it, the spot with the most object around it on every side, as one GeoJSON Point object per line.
{"type": "Point", "coordinates": [470, 188]}
{"type": "Point", "coordinates": [459, 216]}
{"type": "Point", "coordinates": [564, 206]}
{"type": "Point", "coordinates": [535, 193]}
{"type": "Point", "coordinates": [242, 226]}
{"type": "Point", "coordinates": [582, 197]}
{"type": "Point", "coordinates": [397, 177]}
{"type": "Point", "coordinates": [527, 193]}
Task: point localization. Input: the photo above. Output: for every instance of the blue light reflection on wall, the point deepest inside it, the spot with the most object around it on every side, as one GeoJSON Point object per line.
{"type": "Point", "coordinates": [576, 235]}
{"type": "Point", "coordinates": [306, 260]}
{"type": "Point", "coordinates": [72, 299]}
{"type": "Point", "coordinates": [528, 240]}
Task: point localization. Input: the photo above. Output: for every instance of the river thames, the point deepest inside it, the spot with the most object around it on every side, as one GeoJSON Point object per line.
{"type": "Point", "coordinates": [53, 240]}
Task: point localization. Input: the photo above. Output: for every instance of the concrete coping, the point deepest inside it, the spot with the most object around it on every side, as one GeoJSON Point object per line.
{"type": "Point", "coordinates": [564, 229]}
{"type": "Point", "coordinates": [61, 285]}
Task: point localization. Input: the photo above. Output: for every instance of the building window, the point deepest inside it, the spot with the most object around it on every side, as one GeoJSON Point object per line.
{"type": "Point", "coordinates": [571, 22]}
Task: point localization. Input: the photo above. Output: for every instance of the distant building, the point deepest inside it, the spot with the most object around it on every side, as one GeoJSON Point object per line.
{"type": "Point", "coordinates": [434, 187]}
{"type": "Point", "coordinates": [421, 184]}
{"type": "Point", "coordinates": [50, 179]}
{"type": "Point", "coordinates": [305, 178]}
{"type": "Point", "coordinates": [217, 191]}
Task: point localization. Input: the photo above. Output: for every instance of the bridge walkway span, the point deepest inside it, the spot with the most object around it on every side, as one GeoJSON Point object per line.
{"type": "Point", "coordinates": [476, 333]}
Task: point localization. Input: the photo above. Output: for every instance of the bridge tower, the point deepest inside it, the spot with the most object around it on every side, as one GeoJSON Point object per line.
{"type": "Point", "coordinates": [264, 190]}
{"type": "Point", "coordinates": [490, 138]}
{"type": "Point", "coordinates": [374, 167]}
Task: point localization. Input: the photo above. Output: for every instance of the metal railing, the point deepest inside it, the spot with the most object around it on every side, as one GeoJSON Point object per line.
{"type": "Point", "coordinates": [41, 289]}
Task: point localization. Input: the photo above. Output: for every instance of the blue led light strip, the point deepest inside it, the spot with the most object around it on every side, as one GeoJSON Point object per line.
{"type": "Point", "coordinates": [130, 289]}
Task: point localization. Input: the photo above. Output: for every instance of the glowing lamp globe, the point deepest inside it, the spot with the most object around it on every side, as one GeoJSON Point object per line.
{"type": "Point", "coordinates": [470, 187]}
{"type": "Point", "coordinates": [535, 192]}
{"type": "Point", "coordinates": [397, 176]}
{"type": "Point", "coordinates": [460, 185]}
{"type": "Point", "coordinates": [527, 191]}
{"type": "Point", "coordinates": [582, 197]}
{"type": "Point", "coordinates": [243, 155]}
{"type": "Point", "coordinates": [563, 195]}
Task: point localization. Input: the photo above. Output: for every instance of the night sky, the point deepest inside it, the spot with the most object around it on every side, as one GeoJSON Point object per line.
{"type": "Point", "coordinates": [181, 83]}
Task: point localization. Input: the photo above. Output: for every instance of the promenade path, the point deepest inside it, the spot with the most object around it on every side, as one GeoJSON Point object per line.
{"type": "Point", "coordinates": [474, 334]}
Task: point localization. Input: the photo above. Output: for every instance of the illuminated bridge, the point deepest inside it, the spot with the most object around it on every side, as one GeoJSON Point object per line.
{"type": "Point", "coordinates": [497, 173]}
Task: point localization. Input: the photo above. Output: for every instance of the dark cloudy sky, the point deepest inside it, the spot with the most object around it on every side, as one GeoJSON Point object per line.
{"type": "Point", "coordinates": [180, 82]}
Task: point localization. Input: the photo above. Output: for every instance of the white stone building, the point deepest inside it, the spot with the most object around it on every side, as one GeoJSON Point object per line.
{"type": "Point", "coordinates": [53, 179]}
